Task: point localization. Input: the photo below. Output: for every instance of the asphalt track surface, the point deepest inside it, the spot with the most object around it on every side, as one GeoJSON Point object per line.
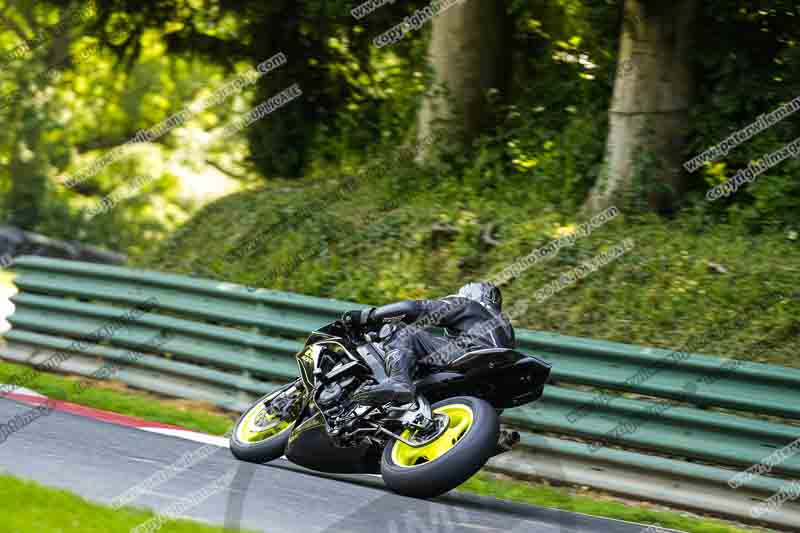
{"type": "Point", "coordinates": [100, 461]}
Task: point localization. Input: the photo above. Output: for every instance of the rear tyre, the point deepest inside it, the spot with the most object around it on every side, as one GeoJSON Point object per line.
{"type": "Point", "coordinates": [468, 442]}
{"type": "Point", "coordinates": [260, 437]}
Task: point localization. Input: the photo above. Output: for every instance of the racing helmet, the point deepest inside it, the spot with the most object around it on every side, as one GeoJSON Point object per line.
{"type": "Point", "coordinates": [483, 292]}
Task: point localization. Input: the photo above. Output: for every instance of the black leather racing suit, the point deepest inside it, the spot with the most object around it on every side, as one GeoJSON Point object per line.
{"type": "Point", "coordinates": [467, 324]}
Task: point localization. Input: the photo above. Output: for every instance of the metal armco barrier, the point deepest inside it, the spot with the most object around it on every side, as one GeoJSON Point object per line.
{"type": "Point", "coordinates": [227, 345]}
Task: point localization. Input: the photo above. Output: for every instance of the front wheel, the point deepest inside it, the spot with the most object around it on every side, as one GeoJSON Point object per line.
{"type": "Point", "coordinates": [468, 441]}
{"type": "Point", "coordinates": [262, 432]}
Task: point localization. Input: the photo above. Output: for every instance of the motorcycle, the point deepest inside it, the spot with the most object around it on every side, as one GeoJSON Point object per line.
{"type": "Point", "coordinates": [422, 449]}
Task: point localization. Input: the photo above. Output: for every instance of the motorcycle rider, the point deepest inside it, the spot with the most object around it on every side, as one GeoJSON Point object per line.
{"type": "Point", "coordinates": [472, 319]}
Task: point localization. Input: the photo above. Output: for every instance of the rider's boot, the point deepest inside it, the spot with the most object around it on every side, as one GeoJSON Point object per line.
{"type": "Point", "coordinates": [398, 388]}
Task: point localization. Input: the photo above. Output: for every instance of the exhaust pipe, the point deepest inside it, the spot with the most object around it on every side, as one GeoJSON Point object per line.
{"type": "Point", "coordinates": [507, 441]}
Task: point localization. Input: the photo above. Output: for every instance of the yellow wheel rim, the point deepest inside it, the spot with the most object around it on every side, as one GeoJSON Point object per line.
{"type": "Point", "coordinates": [250, 432]}
{"type": "Point", "coordinates": [461, 420]}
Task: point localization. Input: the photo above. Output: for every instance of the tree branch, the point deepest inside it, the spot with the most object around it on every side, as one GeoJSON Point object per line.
{"type": "Point", "coordinates": [58, 51]}
{"type": "Point", "coordinates": [108, 143]}
{"type": "Point", "coordinates": [238, 177]}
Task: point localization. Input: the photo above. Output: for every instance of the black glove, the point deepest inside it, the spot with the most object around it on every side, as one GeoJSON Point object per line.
{"type": "Point", "coordinates": [356, 320]}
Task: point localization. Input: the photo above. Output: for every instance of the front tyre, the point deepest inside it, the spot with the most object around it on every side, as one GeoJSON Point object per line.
{"type": "Point", "coordinates": [262, 432]}
{"type": "Point", "coordinates": [470, 439]}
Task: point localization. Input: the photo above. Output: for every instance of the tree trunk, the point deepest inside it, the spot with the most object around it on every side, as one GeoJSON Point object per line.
{"type": "Point", "coordinates": [468, 53]}
{"type": "Point", "coordinates": [27, 195]}
{"type": "Point", "coordinates": [648, 117]}
{"type": "Point", "coordinates": [29, 183]}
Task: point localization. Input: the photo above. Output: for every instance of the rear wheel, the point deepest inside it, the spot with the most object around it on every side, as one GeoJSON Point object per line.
{"type": "Point", "coordinates": [463, 447]}
{"type": "Point", "coordinates": [262, 432]}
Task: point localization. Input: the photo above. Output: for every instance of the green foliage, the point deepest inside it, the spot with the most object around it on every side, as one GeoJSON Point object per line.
{"type": "Point", "coordinates": [359, 99]}
{"type": "Point", "coordinates": [70, 103]}
{"type": "Point", "coordinates": [748, 63]}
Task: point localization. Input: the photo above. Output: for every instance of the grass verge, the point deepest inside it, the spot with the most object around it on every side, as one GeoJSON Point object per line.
{"type": "Point", "coordinates": [148, 406]}
{"type": "Point", "coordinates": [560, 498]}
{"type": "Point", "coordinates": [27, 506]}
{"type": "Point", "coordinates": [101, 395]}
{"type": "Point", "coordinates": [685, 277]}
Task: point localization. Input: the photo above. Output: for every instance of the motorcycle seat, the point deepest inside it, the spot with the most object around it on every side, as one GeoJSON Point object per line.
{"type": "Point", "coordinates": [487, 356]}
